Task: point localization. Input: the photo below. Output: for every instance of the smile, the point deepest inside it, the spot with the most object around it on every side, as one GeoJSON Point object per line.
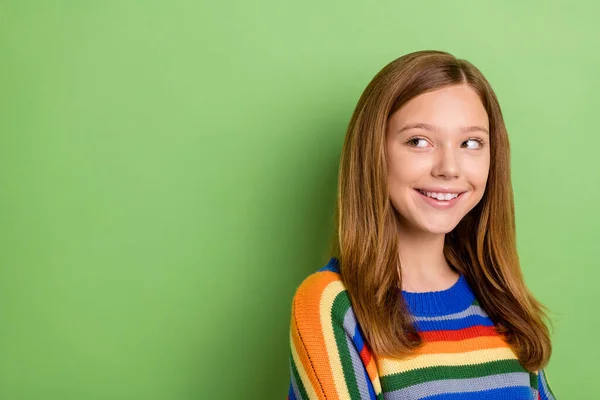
{"type": "Point", "coordinates": [439, 196]}
{"type": "Point", "coordinates": [440, 200]}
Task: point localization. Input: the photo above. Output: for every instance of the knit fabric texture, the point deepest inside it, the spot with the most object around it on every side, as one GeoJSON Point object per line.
{"type": "Point", "coordinates": [463, 356]}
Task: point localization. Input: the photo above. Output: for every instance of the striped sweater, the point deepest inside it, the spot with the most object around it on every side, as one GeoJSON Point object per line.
{"type": "Point", "coordinates": [463, 357]}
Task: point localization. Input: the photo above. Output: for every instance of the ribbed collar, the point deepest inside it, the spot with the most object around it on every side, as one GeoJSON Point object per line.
{"type": "Point", "coordinates": [455, 299]}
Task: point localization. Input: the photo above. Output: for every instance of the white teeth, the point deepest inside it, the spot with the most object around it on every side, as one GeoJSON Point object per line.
{"type": "Point", "coordinates": [440, 196]}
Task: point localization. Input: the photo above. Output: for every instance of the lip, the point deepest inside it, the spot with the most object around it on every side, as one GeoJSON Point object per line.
{"type": "Point", "coordinates": [440, 204]}
{"type": "Point", "coordinates": [439, 189]}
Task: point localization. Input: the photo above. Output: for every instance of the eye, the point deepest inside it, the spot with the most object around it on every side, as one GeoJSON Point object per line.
{"type": "Point", "coordinates": [413, 142]}
{"type": "Point", "coordinates": [415, 139]}
{"type": "Point", "coordinates": [476, 140]}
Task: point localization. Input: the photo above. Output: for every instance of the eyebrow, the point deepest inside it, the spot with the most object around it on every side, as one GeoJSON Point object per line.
{"type": "Point", "coordinates": [433, 128]}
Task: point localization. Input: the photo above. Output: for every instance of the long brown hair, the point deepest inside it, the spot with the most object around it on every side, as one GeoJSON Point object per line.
{"type": "Point", "coordinates": [482, 246]}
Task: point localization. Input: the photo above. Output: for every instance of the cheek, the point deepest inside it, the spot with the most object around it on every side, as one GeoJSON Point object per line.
{"type": "Point", "coordinates": [402, 177]}
{"type": "Point", "coordinates": [476, 170]}
{"type": "Point", "coordinates": [407, 169]}
{"type": "Point", "coordinates": [479, 177]}
{"type": "Point", "coordinates": [398, 178]}
{"type": "Point", "coordinates": [482, 174]}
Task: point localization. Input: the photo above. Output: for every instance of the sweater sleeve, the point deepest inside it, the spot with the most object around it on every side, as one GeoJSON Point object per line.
{"type": "Point", "coordinates": [328, 358]}
{"type": "Point", "coordinates": [544, 390]}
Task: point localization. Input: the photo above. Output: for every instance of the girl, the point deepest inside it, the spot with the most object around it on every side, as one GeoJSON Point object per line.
{"type": "Point", "coordinates": [423, 297]}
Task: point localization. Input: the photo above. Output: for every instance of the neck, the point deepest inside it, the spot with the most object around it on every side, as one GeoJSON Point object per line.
{"type": "Point", "coordinates": [423, 264]}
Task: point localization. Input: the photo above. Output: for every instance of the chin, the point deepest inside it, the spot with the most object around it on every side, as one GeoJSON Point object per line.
{"type": "Point", "coordinates": [438, 229]}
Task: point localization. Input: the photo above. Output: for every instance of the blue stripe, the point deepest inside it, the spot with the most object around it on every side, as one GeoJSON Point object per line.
{"type": "Point", "coordinates": [359, 343]}
{"type": "Point", "coordinates": [540, 384]}
{"type": "Point", "coordinates": [332, 265]}
{"type": "Point", "coordinates": [291, 394]}
{"type": "Point", "coordinates": [357, 339]}
{"type": "Point", "coordinates": [453, 324]}
{"type": "Point", "coordinates": [543, 387]}
{"type": "Point", "coordinates": [513, 392]}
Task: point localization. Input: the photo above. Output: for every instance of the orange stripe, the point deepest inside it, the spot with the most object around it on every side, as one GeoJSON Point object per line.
{"type": "Point", "coordinates": [308, 332]}
{"type": "Point", "coordinates": [374, 375]}
{"type": "Point", "coordinates": [303, 364]}
{"type": "Point", "coordinates": [478, 343]}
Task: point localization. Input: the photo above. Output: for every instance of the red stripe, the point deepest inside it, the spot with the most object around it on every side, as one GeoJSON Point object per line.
{"type": "Point", "coordinates": [365, 355]}
{"type": "Point", "coordinates": [461, 334]}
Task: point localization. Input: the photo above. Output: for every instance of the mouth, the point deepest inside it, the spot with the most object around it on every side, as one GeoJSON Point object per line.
{"type": "Point", "coordinates": [445, 201]}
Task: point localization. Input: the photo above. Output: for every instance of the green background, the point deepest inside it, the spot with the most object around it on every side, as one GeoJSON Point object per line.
{"type": "Point", "coordinates": [168, 171]}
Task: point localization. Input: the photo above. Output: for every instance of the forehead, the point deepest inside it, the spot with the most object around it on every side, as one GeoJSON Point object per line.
{"type": "Point", "coordinates": [449, 108]}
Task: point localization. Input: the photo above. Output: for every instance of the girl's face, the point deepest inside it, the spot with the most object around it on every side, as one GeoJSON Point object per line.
{"type": "Point", "coordinates": [438, 142]}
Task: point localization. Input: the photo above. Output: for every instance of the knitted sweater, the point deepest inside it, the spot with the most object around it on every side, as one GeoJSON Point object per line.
{"type": "Point", "coordinates": [463, 356]}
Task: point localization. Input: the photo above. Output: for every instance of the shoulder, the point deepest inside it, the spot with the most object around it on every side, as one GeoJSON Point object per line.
{"type": "Point", "coordinates": [321, 298]}
{"type": "Point", "coordinates": [327, 346]}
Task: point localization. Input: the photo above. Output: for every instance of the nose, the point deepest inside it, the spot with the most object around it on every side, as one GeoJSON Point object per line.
{"type": "Point", "coordinates": [446, 163]}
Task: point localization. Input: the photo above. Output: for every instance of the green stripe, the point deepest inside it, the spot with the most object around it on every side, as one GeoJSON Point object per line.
{"type": "Point", "coordinates": [421, 375]}
{"type": "Point", "coordinates": [340, 306]}
{"type": "Point", "coordinates": [533, 380]}
{"type": "Point", "coordinates": [299, 383]}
